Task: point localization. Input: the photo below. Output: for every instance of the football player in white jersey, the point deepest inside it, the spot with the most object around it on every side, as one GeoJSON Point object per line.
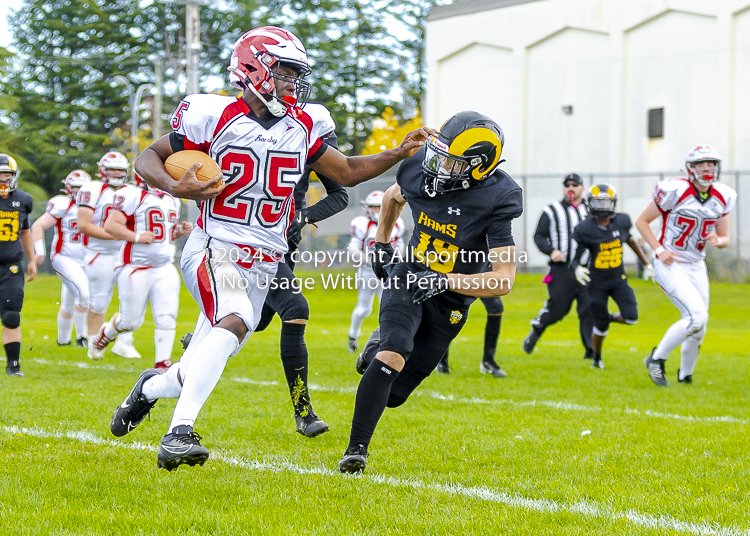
{"type": "Point", "coordinates": [148, 221]}
{"type": "Point", "coordinates": [363, 229]}
{"type": "Point", "coordinates": [66, 256]}
{"type": "Point", "coordinates": [94, 202]}
{"type": "Point", "coordinates": [693, 214]}
{"type": "Point", "coordinates": [261, 142]}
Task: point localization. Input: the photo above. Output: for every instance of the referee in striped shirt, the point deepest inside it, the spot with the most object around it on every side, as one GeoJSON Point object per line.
{"type": "Point", "coordinates": [554, 237]}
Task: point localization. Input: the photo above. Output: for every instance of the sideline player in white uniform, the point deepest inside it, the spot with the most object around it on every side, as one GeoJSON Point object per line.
{"type": "Point", "coordinates": [694, 213]}
{"type": "Point", "coordinates": [147, 220]}
{"type": "Point", "coordinates": [261, 142]}
{"type": "Point", "coordinates": [363, 229]}
{"type": "Point", "coordinates": [66, 255]}
{"type": "Point", "coordinates": [94, 202]}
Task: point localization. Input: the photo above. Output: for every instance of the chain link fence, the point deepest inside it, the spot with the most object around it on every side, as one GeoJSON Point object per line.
{"type": "Point", "coordinates": [633, 189]}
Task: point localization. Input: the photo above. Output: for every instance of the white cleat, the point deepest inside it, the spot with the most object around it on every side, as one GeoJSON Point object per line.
{"type": "Point", "coordinates": [125, 350]}
{"type": "Point", "coordinates": [98, 344]}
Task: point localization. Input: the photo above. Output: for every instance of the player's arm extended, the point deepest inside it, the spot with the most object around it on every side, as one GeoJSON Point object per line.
{"type": "Point", "coordinates": [638, 251]}
{"type": "Point", "coordinates": [44, 222]}
{"type": "Point", "coordinates": [150, 166]}
{"type": "Point", "coordinates": [116, 225]}
{"type": "Point", "coordinates": [87, 226]}
{"type": "Point", "coordinates": [497, 282]}
{"type": "Point", "coordinates": [390, 209]}
{"type": "Point", "coordinates": [351, 170]}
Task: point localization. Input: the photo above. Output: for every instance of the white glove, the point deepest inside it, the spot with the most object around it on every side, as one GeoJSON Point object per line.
{"type": "Point", "coordinates": [648, 272]}
{"type": "Point", "coordinates": [582, 275]}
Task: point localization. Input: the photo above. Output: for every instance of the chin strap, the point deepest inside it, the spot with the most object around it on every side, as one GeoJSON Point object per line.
{"type": "Point", "coordinates": [274, 106]}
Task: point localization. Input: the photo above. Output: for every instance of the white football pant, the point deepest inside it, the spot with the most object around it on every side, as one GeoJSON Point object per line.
{"type": "Point", "coordinates": [686, 284]}
{"type": "Point", "coordinates": [75, 283]}
{"type": "Point", "coordinates": [368, 284]}
{"type": "Point", "coordinates": [100, 270]}
{"type": "Point", "coordinates": [159, 286]}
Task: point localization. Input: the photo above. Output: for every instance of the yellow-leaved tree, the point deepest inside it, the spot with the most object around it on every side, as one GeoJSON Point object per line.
{"type": "Point", "coordinates": [387, 133]}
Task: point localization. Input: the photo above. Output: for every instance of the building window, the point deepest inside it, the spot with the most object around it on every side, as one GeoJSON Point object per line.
{"type": "Point", "coordinates": [656, 123]}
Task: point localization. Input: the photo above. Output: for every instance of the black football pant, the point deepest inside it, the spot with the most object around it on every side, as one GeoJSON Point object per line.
{"type": "Point", "coordinates": [600, 291]}
{"type": "Point", "coordinates": [563, 289]}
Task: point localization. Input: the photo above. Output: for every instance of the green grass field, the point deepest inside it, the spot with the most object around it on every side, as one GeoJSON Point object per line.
{"type": "Point", "coordinates": [555, 448]}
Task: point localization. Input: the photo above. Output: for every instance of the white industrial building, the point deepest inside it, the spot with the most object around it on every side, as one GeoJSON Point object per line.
{"type": "Point", "coordinates": [616, 90]}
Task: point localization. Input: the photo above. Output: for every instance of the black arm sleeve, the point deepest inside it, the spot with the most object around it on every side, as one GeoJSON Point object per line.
{"type": "Point", "coordinates": [336, 198]}
{"type": "Point", "coordinates": [335, 201]}
{"type": "Point", "coordinates": [542, 238]}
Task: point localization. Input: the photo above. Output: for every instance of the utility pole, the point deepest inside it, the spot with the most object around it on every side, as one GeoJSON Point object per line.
{"type": "Point", "coordinates": [193, 38]}
{"type": "Point", "coordinates": [157, 98]}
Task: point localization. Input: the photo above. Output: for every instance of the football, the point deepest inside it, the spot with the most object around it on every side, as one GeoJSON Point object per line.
{"type": "Point", "coordinates": [178, 163]}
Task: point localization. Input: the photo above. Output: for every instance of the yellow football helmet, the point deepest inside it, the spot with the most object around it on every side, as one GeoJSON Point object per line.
{"type": "Point", "coordinates": [466, 151]}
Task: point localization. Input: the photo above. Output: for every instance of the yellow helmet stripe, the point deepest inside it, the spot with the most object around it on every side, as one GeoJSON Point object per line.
{"type": "Point", "coordinates": [611, 192]}
{"type": "Point", "coordinates": [471, 137]}
{"type": "Point", "coordinates": [595, 190]}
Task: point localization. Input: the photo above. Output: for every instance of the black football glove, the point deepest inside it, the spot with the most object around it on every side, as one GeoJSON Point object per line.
{"type": "Point", "coordinates": [382, 256]}
{"type": "Point", "coordinates": [294, 233]}
{"type": "Point", "coordinates": [428, 284]}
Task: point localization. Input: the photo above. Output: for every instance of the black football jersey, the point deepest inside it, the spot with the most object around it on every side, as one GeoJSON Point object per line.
{"type": "Point", "coordinates": [14, 217]}
{"type": "Point", "coordinates": [453, 232]}
{"type": "Point", "coordinates": [604, 244]}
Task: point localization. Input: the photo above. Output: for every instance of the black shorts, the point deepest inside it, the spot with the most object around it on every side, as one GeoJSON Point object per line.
{"type": "Point", "coordinates": [420, 333]}
{"type": "Point", "coordinates": [599, 291]}
{"type": "Point", "coordinates": [11, 287]}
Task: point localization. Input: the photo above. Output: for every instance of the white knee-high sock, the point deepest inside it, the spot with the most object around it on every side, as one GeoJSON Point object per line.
{"type": "Point", "coordinates": [674, 337]}
{"type": "Point", "coordinates": [205, 369]}
{"type": "Point", "coordinates": [358, 316]}
{"type": "Point", "coordinates": [165, 385]}
{"type": "Point", "coordinates": [163, 344]}
{"type": "Point", "coordinates": [64, 328]}
{"type": "Point", "coordinates": [79, 318]}
{"type": "Point", "coordinates": [689, 350]}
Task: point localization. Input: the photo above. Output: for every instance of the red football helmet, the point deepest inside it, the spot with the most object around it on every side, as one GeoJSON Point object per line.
{"type": "Point", "coordinates": [256, 57]}
{"type": "Point", "coordinates": [75, 179]}
{"type": "Point", "coordinates": [116, 162]}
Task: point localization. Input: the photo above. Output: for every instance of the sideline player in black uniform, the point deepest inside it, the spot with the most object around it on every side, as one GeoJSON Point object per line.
{"type": "Point", "coordinates": [462, 207]}
{"type": "Point", "coordinates": [291, 305]}
{"type": "Point", "coordinates": [603, 234]}
{"type": "Point", "coordinates": [15, 240]}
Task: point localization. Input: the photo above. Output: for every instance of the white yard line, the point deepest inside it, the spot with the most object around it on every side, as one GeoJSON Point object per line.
{"type": "Point", "coordinates": [564, 406]}
{"type": "Point", "coordinates": [481, 493]}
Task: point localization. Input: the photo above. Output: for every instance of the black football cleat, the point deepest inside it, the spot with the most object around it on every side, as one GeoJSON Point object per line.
{"type": "Point", "coordinates": [656, 370]}
{"type": "Point", "coordinates": [443, 367]}
{"type": "Point", "coordinates": [181, 446]}
{"type": "Point", "coordinates": [491, 367]}
{"type": "Point", "coordinates": [352, 345]}
{"type": "Point", "coordinates": [64, 343]}
{"type": "Point", "coordinates": [185, 340]}
{"type": "Point", "coordinates": [531, 339]}
{"type": "Point", "coordinates": [134, 408]}
{"type": "Point", "coordinates": [354, 460]}
{"type": "Point", "coordinates": [13, 368]}
{"type": "Point", "coordinates": [371, 347]}
{"type": "Point", "coordinates": [82, 342]}
{"type": "Point", "coordinates": [598, 363]}
{"type": "Point", "coordinates": [687, 380]}
{"type": "Point", "coordinates": [310, 425]}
